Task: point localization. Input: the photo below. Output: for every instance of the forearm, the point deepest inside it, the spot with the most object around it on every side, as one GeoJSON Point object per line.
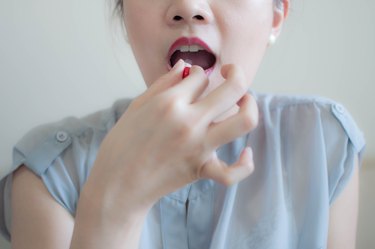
{"type": "Point", "coordinates": [95, 228]}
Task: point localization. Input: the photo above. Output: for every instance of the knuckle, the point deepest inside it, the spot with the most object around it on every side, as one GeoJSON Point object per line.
{"type": "Point", "coordinates": [227, 180]}
{"type": "Point", "coordinates": [168, 105]}
{"type": "Point", "coordinates": [183, 130]}
{"type": "Point", "coordinates": [198, 172]}
{"type": "Point", "coordinates": [180, 119]}
{"type": "Point", "coordinates": [250, 114]}
{"type": "Point", "coordinates": [249, 121]}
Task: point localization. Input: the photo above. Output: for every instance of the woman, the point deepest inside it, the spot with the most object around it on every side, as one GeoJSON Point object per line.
{"type": "Point", "coordinates": [194, 162]}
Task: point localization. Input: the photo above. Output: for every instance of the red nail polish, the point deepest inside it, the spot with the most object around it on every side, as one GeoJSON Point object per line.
{"type": "Point", "coordinates": [186, 72]}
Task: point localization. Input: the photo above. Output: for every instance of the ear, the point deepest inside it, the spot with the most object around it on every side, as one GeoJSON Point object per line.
{"type": "Point", "coordinates": [280, 13]}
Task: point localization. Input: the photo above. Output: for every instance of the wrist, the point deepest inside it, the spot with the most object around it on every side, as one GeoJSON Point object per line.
{"type": "Point", "coordinates": [99, 225]}
{"type": "Point", "coordinates": [111, 206]}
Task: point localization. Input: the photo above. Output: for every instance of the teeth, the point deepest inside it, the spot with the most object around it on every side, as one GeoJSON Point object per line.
{"type": "Point", "coordinates": [184, 48]}
{"type": "Point", "coordinates": [192, 48]}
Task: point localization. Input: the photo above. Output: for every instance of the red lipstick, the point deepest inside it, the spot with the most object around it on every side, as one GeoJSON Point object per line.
{"type": "Point", "coordinates": [182, 43]}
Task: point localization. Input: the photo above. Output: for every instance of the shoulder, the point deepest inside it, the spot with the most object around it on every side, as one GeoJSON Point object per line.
{"type": "Point", "coordinates": [279, 102]}
{"type": "Point", "coordinates": [313, 134]}
{"type": "Point", "coordinates": [61, 154]}
{"type": "Point", "coordinates": [307, 112]}
{"type": "Point", "coordinates": [43, 144]}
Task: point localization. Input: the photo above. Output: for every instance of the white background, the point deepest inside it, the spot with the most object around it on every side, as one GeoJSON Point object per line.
{"type": "Point", "coordinates": [60, 58]}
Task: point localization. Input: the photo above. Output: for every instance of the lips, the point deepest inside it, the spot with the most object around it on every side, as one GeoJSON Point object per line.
{"type": "Point", "coordinates": [193, 51]}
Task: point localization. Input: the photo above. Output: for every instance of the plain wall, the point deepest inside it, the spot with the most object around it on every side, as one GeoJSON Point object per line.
{"type": "Point", "coordinates": [60, 58]}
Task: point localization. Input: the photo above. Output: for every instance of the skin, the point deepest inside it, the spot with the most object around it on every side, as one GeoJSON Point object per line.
{"type": "Point", "coordinates": [223, 29]}
{"type": "Point", "coordinates": [191, 117]}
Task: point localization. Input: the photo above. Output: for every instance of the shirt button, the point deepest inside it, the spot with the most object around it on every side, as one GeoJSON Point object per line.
{"type": "Point", "coordinates": [339, 108]}
{"type": "Point", "coordinates": [61, 136]}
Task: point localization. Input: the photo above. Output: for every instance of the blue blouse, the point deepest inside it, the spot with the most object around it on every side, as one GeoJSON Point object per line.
{"type": "Point", "coordinates": [304, 153]}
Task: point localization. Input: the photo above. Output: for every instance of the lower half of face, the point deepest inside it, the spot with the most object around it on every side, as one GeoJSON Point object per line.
{"type": "Point", "coordinates": [233, 31]}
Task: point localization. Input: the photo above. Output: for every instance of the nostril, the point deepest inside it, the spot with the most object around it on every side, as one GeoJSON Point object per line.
{"type": "Point", "coordinates": [198, 17]}
{"type": "Point", "coordinates": [177, 18]}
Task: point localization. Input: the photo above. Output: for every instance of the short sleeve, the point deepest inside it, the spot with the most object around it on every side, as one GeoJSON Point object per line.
{"type": "Point", "coordinates": [37, 150]}
{"type": "Point", "coordinates": [345, 146]}
{"type": "Point", "coordinates": [62, 155]}
{"type": "Point", "coordinates": [49, 151]}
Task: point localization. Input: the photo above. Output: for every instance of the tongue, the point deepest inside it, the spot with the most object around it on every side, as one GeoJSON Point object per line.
{"type": "Point", "coordinates": [201, 58]}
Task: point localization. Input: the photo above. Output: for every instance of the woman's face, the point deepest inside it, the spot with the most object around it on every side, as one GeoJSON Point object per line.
{"type": "Point", "coordinates": [209, 33]}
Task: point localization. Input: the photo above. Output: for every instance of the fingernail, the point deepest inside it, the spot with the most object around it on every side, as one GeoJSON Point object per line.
{"type": "Point", "coordinates": [179, 63]}
{"type": "Point", "coordinates": [188, 64]}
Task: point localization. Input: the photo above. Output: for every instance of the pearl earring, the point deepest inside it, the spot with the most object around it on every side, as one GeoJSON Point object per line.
{"type": "Point", "coordinates": [272, 39]}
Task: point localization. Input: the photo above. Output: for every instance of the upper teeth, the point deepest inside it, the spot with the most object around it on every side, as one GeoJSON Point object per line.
{"type": "Point", "coordinates": [191, 48]}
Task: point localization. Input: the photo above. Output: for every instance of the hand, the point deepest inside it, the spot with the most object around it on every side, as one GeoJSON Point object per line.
{"type": "Point", "coordinates": [167, 138]}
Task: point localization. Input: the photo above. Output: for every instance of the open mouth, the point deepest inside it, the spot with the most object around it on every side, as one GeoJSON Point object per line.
{"type": "Point", "coordinates": [192, 51]}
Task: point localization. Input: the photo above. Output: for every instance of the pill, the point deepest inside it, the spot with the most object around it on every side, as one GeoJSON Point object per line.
{"type": "Point", "coordinates": [186, 72]}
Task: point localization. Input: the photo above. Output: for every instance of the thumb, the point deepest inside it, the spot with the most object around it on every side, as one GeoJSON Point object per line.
{"type": "Point", "coordinates": [162, 84]}
{"type": "Point", "coordinates": [168, 80]}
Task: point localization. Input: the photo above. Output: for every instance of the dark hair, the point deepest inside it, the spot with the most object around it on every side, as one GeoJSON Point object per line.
{"type": "Point", "coordinates": [118, 7]}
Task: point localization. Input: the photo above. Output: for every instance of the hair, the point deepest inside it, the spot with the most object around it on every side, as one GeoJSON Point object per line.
{"type": "Point", "coordinates": [118, 10]}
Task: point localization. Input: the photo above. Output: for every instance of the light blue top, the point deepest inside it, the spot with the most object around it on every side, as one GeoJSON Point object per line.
{"type": "Point", "coordinates": [304, 151]}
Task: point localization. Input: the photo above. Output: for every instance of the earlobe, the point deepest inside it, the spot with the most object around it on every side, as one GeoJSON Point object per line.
{"type": "Point", "coordinates": [280, 14]}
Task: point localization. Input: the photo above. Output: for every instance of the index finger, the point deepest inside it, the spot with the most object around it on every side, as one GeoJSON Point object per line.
{"type": "Point", "coordinates": [193, 86]}
{"type": "Point", "coordinates": [226, 95]}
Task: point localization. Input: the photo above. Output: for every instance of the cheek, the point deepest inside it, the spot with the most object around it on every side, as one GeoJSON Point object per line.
{"type": "Point", "coordinates": [140, 33]}
{"type": "Point", "coordinates": [137, 27]}
{"type": "Point", "coordinates": [245, 35]}
{"type": "Point", "coordinates": [250, 47]}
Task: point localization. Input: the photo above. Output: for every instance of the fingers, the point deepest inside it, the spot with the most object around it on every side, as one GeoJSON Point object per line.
{"type": "Point", "coordinates": [226, 95]}
{"type": "Point", "coordinates": [187, 89]}
{"type": "Point", "coordinates": [192, 86]}
{"type": "Point", "coordinates": [169, 79]}
{"type": "Point", "coordinates": [218, 171]}
{"type": "Point", "coordinates": [166, 81]}
{"type": "Point", "coordinates": [235, 126]}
